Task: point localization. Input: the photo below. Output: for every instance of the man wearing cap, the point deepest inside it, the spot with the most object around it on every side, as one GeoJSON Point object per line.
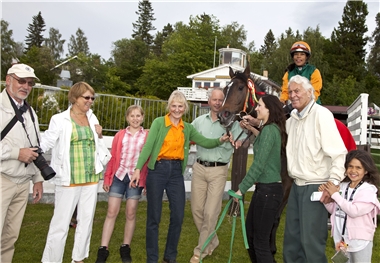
{"type": "Point", "coordinates": [210, 175]}
{"type": "Point", "coordinates": [17, 155]}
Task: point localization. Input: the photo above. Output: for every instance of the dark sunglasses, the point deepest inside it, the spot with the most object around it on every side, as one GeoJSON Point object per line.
{"type": "Point", "coordinates": [88, 97]}
{"type": "Point", "coordinates": [23, 81]}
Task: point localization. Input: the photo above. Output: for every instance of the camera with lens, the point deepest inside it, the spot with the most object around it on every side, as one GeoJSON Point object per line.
{"type": "Point", "coordinates": [46, 171]}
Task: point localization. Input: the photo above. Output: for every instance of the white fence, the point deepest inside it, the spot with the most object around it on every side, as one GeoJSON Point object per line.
{"type": "Point", "coordinates": [364, 127]}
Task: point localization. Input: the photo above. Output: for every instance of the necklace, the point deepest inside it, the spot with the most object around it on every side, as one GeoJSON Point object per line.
{"type": "Point", "coordinates": [77, 113]}
{"type": "Point", "coordinates": [82, 120]}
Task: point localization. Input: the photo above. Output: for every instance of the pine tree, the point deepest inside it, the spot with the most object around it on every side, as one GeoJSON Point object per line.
{"type": "Point", "coordinates": [55, 43]}
{"type": "Point", "coordinates": [269, 46]}
{"type": "Point", "coordinates": [35, 29]}
{"type": "Point", "coordinates": [143, 25]}
{"type": "Point", "coordinates": [347, 49]}
{"type": "Point", "coordinates": [374, 55]}
{"type": "Point", "coordinates": [160, 39]}
{"type": "Point", "coordinates": [78, 44]}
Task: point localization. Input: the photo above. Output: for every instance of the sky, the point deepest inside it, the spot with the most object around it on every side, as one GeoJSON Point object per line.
{"type": "Point", "coordinates": [106, 22]}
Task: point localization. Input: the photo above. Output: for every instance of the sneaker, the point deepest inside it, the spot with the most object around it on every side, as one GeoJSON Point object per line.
{"type": "Point", "coordinates": [102, 255]}
{"type": "Point", "coordinates": [125, 253]}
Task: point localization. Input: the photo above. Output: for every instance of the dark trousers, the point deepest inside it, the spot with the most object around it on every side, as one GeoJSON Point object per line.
{"type": "Point", "coordinates": [305, 227]}
{"type": "Point", "coordinates": [260, 219]}
{"type": "Point", "coordinates": [167, 175]}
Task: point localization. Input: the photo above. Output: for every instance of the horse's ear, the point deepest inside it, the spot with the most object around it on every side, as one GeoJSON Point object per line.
{"type": "Point", "coordinates": [232, 74]}
{"type": "Point", "coordinates": [247, 70]}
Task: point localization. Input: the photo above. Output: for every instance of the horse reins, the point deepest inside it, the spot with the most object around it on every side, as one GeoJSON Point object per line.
{"type": "Point", "coordinates": [236, 208]}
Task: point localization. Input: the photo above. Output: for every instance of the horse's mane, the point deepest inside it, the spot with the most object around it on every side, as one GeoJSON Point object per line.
{"type": "Point", "coordinates": [263, 85]}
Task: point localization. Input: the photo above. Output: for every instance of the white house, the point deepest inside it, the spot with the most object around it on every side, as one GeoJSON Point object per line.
{"type": "Point", "coordinates": [216, 77]}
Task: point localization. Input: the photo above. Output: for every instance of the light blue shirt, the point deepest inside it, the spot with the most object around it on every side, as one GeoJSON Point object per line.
{"type": "Point", "coordinates": [213, 129]}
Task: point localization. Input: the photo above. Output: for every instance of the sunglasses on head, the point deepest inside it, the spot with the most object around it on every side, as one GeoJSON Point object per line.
{"type": "Point", "coordinates": [88, 97]}
{"type": "Point", "coordinates": [23, 81]}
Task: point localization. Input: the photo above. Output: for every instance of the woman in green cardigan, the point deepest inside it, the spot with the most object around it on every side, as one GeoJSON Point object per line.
{"type": "Point", "coordinates": [167, 148]}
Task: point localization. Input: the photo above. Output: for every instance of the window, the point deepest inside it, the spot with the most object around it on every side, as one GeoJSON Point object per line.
{"type": "Point", "coordinates": [207, 84]}
{"type": "Point", "coordinates": [216, 84]}
{"type": "Point", "coordinates": [198, 84]}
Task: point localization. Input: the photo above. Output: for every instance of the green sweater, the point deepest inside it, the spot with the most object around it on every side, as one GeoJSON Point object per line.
{"type": "Point", "coordinates": [156, 137]}
{"type": "Point", "coordinates": [266, 167]}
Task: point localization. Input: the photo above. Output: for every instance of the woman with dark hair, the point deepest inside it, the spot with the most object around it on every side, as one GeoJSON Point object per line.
{"type": "Point", "coordinates": [265, 172]}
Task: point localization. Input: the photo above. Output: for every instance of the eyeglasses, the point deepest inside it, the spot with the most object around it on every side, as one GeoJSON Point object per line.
{"type": "Point", "coordinates": [23, 81]}
{"type": "Point", "coordinates": [88, 97]}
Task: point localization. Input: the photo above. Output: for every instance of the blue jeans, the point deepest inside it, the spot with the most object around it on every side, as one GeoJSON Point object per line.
{"type": "Point", "coordinates": [167, 175]}
{"type": "Point", "coordinates": [260, 219]}
{"type": "Point", "coordinates": [121, 188]}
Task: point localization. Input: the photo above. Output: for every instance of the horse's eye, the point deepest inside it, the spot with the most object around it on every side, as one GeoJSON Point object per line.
{"type": "Point", "coordinates": [241, 87]}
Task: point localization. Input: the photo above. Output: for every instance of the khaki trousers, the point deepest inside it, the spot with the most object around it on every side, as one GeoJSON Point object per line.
{"type": "Point", "coordinates": [207, 189]}
{"type": "Point", "coordinates": [14, 198]}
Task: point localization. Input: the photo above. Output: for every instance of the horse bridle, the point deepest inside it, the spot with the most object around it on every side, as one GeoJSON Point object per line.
{"type": "Point", "coordinates": [250, 100]}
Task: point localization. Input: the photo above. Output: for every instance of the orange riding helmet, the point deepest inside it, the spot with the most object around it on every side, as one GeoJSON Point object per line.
{"type": "Point", "coordinates": [300, 46]}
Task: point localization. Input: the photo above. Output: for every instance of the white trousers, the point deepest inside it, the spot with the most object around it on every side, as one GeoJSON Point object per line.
{"type": "Point", "coordinates": [66, 199]}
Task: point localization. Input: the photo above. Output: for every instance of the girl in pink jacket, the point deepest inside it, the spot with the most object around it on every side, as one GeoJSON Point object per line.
{"type": "Point", "coordinates": [355, 206]}
{"type": "Point", "coordinates": [126, 148]}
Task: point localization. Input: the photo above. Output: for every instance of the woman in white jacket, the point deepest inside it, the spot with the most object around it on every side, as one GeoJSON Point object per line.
{"type": "Point", "coordinates": [78, 158]}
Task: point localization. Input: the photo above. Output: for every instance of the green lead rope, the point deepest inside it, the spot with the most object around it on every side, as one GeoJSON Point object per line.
{"type": "Point", "coordinates": [234, 215]}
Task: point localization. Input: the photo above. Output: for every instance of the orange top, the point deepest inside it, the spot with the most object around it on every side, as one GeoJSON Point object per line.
{"type": "Point", "coordinates": [173, 146]}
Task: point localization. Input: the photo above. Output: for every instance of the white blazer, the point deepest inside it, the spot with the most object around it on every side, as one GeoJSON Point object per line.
{"type": "Point", "coordinates": [57, 138]}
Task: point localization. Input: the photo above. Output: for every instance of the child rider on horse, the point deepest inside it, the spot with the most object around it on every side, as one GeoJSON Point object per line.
{"type": "Point", "coordinates": [300, 53]}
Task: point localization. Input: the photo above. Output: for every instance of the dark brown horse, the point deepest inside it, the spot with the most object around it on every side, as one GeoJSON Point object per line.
{"type": "Point", "coordinates": [241, 96]}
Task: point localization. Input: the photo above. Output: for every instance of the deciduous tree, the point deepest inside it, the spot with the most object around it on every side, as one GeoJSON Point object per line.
{"type": "Point", "coordinates": [8, 48]}
{"type": "Point", "coordinates": [55, 43]}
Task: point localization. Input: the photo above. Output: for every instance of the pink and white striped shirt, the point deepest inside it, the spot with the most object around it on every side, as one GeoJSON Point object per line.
{"type": "Point", "coordinates": [132, 145]}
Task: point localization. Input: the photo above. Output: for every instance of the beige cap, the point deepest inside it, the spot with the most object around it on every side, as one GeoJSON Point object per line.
{"type": "Point", "coordinates": [22, 71]}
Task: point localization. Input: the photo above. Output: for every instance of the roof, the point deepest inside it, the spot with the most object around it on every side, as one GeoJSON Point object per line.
{"type": "Point", "coordinates": [337, 109]}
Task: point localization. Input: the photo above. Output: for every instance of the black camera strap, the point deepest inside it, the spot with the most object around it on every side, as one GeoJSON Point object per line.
{"type": "Point", "coordinates": [18, 117]}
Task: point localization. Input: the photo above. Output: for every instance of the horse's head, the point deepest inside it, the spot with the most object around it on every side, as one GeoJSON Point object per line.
{"type": "Point", "coordinates": [241, 96]}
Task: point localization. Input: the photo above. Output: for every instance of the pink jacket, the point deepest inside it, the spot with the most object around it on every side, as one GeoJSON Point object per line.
{"type": "Point", "coordinates": [361, 212]}
{"type": "Point", "coordinates": [114, 163]}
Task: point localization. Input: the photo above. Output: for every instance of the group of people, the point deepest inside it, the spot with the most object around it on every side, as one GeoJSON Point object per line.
{"type": "Point", "coordinates": [155, 160]}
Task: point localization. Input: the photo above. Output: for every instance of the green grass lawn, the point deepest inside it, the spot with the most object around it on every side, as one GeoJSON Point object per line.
{"type": "Point", "coordinates": [32, 238]}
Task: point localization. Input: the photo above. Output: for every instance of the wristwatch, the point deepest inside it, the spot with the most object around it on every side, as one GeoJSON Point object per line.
{"type": "Point", "coordinates": [335, 182]}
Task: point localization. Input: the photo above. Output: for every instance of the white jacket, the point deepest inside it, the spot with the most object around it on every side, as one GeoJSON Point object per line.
{"type": "Point", "coordinates": [57, 138]}
{"type": "Point", "coordinates": [315, 151]}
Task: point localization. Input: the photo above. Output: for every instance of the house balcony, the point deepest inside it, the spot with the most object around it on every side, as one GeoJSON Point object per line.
{"type": "Point", "coordinates": [195, 94]}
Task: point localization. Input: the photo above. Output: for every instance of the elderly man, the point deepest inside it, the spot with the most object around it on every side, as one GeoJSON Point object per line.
{"type": "Point", "coordinates": [18, 135]}
{"type": "Point", "coordinates": [316, 154]}
{"type": "Point", "coordinates": [210, 174]}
